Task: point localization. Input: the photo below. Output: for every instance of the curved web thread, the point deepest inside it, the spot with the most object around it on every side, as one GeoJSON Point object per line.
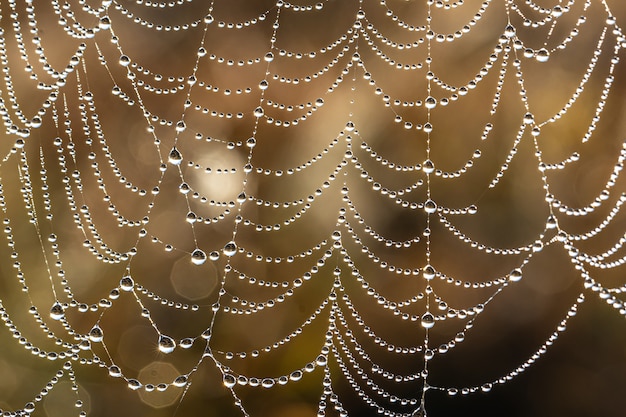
{"type": "Point", "coordinates": [326, 201]}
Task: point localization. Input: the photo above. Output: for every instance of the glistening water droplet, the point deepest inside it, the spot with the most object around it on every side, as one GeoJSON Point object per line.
{"type": "Point", "coordinates": [515, 275]}
{"type": "Point", "coordinates": [96, 334]}
{"type": "Point", "coordinates": [428, 320]}
{"type": "Point", "coordinates": [175, 157]}
{"type": "Point", "coordinates": [198, 257]}
{"type": "Point", "coordinates": [428, 272]}
{"type": "Point", "coordinates": [166, 344]}
{"type": "Point", "coordinates": [542, 55]}
{"type": "Point", "coordinates": [230, 249]}
{"type": "Point", "coordinates": [229, 381]}
{"type": "Point", "coordinates": [509, 31]}
{"type": "Point", "coordinates": [180, 381]}
{"type": "Point", "coordinates": [56, 311]}
{"type": "Point", "coordinates": [124, 61]}
{"type": "Point", "coordinates": [430, 206]}
{"type": "Point", "coordinates": [127, 283]}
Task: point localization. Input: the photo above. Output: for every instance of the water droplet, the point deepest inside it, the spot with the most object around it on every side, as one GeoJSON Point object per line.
{"type": "Point", "coordinates": [105, 23]}
{"type": "Point", "coordinates": [181, 126]}
{"type": "Point", "coordinates": [542, 55]}
{"type": "Point", "coordinates": [127, 283]}
{"type": "Point", "coordinates": [175, 157]}
{"type": "Point", "coordinates": [321, 360]}
{"type": "Point", "coordinates": [96, 334]}
{"type": "Point", "coordinates": [180, 381]}
{"type": "Point", "coordinates": [319, 102]}
{"type": "Point", "coordinates": [186, 343]}
{"type": "Point", "coordinates": [258, 112]}
{"type": "Point", "coordinates": [214, 255]}
{"type": "Point", "coordinates": [267, 383]}
{"type": "Point", "coordinates": [552, 222]}
{"type": "Point", "coordinates": [529, 118]}
{"type": "Point", "coordinates": [29, 407]}
{"type": "Point", "coordinates": [269, 57]}
{"type": "Point", "coordinates": [134, 384]}
{"type": "Point", "coordinates": [428, 320]}
{"type": "Point", "coordinates": [430, 102]}
{"type": "Point", "coordinates": [515, 275]}
{"type": "Point", "coordinates": [428, 166]}
{"type": "Point", "coordinates": [296, 375]}
{"type": "Point", "coordinates": [230, 249]}
{"type": "Point", "coordinates": [251, 143]}
{"type": "Point", "coordinates": [430, 206]}
{"type": "Point", "coordinates": [124, 60]}
{"type": "Point", "coordinates": [263, 85]}
{"type": "Point", "coordinates": [229, 381]}
{"type": "Point", "coordinates": [428, 272]}
{"type": "Point", "coordinates": [509, 31]}
{"type": "Point", "coordinates": [56, 311]}
{"type": "Point", "coordinates": [115, 371]}
{"type": "Point", "coordinates": [198, 257]}
{"type": "Point", "coordinates": [350, 126]}
{"type": "Point", "coordinates": [166, 344]}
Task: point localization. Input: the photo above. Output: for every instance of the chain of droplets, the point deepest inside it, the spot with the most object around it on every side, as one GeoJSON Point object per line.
{"type": "Point", "coordinates": [488, 386]}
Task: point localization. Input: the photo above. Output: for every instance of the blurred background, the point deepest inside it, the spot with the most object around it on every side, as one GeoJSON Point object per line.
{"type": "Point", "coordinates": [581, 375]}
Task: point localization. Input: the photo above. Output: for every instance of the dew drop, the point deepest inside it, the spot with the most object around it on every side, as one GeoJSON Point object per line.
{"type": "Point", "coordinates": [180, 381]}
{"type": "Point", "coordinates": [134, 384]}
{"type": "Point", "coordinates": [56, 311]}
{"type": "Point", "coordinates": [552, 222]}
{"type": "Point", "coordinates": [509, 31]}
{"type": "Point", "coordinates": [515, 275]}
{"type": "Point", "coordinates": [321, 360]}
{"type": "Point", "coordinates": [428, 272]}
{"type": "Point", "coordinates": [542, 55]}
{"type": "Point", "coordinates": [175, 157]}
{"type": "Point", "coordinates": [258, 112]}
{"type": "Point", "coordinates": [529, 118]}
{"type": "Point", "coordinates": [230, 249]}
{"type": "Point", "coordinates": [430, 206]}
{"type": "Point", "coordinates": [430, 102]}
{"type": "Point", "coordinates": [95, 334]}
{"type": "Point", "coordinates": [166, 344]}
{"type": "Point", "coordinates": [186, 343]}
{"type": "Point", "coordinates": [198, 257]}
{"type": "Point", "coordinates": [269, 57]}
{"type": "Point", "coordinates": [124, 60]}
{"type": "Point", "coordinates": [127, 283]}
{"type": "Point", "coordinates": [29, 407]}
{"type": "Point", "coordinates": [115, 371]}
{"type": "Point", "coordinates": [296, 375]}
{"type": "Point", "coordinates": [214, 255]}
{"type": "Point", "coordinates": [263, 85]}
{"type": "Point", "coordinates": [350, 126]}
{"type": "Point", "coordinates": [428, 320]}
{"type": "Point", "coordinates": [229, 381]}
{"type": "Point", "coordinates": [428, 166]}
{"type": "Point", "coordinates": [267, 383]}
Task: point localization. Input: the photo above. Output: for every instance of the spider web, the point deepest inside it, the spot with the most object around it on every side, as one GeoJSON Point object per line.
{"type": "Point", "coordinates": [335, 208]}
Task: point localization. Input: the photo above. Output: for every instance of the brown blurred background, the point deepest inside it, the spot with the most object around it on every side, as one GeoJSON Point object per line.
{"type": "Point", "coordinates": [581, 375]}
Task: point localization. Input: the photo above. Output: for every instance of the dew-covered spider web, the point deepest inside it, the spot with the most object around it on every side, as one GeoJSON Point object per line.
{"type": "Point", "coordinates": [344, 207]}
